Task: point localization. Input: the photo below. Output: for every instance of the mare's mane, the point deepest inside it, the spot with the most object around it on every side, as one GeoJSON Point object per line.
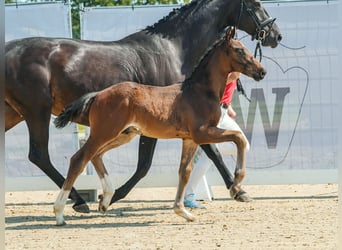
{"type": "Point", "coordinates": [188, 82]}
{"type": "Point", "coordinates": [176, 11]}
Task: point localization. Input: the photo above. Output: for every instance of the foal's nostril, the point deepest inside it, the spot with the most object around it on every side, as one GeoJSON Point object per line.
{"type": "Point", "coordinates": [262, 74]}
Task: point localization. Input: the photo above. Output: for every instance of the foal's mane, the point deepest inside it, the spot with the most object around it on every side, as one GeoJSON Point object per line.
{"type": "Point", "coordinates": [188, 82]}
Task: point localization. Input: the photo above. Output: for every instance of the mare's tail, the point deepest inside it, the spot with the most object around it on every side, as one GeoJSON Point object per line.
{"type": "Point", "coordinates": [74, 110]}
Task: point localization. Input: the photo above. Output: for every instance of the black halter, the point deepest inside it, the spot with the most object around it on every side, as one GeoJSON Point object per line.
{"type": "Point", "coordinates": [260, 32]}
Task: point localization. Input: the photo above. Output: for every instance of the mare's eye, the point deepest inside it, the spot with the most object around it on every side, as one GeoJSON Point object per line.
{"type": "Point", "coordinates": [240, 52]}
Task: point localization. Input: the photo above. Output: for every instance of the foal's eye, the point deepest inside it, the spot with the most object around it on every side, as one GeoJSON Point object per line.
{"type": "Point", "coordinates": [240, 52]}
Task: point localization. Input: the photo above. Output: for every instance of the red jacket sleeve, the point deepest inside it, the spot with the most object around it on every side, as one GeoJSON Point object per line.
{"type": "Point", "coordinates": [228, 93]}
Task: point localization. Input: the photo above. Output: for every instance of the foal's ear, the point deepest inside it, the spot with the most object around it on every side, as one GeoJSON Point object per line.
{"type": "Point", "coordinates": [230, 32]}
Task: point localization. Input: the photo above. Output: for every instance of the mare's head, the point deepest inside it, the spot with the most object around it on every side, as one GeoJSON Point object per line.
{"type": "Point", "coordinates": [254, 19]}
{"type": "Point", "coordinates": [240, 59]}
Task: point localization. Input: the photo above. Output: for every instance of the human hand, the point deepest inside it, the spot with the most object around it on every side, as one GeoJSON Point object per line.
{"type": "Point", "coordinates": [231, 112]}
{"type": "Point", "coordinates": [233, 76]}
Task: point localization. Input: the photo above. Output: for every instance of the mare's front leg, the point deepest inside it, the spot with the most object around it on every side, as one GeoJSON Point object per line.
{"type": "Point", "coordinates": [185, 168]}
{"type": "Point", "coordinates": [146, 151]}
{"type": "Point", "coordinates": [213, 153]}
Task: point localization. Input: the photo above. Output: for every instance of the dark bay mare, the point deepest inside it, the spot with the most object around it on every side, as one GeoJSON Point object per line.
{"type": "Point", "coordinates": [189, 111]}
{"type": "Point", "coordinates": [45, 74]}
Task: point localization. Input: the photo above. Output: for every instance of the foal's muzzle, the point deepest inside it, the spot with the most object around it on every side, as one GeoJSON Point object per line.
{"type": "Point", "coordinates": [259, 75]}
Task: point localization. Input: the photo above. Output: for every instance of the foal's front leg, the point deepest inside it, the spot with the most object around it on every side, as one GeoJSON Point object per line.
{"type": "Point", "coordinates": [240, 169]}
{"type": "Point", "coordinates": [185, 168]}
{"type": "Point", "coordinates": [217, 135]}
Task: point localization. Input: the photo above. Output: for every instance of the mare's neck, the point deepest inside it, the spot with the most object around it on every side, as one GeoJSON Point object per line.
{"type": "Point", "coordinates": [196, 27]}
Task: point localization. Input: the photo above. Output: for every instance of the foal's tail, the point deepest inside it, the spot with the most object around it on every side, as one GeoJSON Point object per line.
{"type": "Point", "coordinates": [74, 110]}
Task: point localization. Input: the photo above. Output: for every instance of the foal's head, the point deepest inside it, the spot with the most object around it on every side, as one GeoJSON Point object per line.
{"type": "Point", "coordinates": [239, 59]}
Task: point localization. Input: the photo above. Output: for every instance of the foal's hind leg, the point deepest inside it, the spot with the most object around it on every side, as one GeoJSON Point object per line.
{"type": "Point", "coordinates": [77, 164]}
{"type": "Point", "coordinates": [214, 155]}
{"type": "Point", "coordinates": [146, 150]}
{"type": "Point", "coordinates": [186, 164]}
{"type": "Point", "coordinates": [107, 187]}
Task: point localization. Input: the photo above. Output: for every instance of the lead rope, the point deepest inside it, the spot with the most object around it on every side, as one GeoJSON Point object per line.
{"type": "Point", "coordinates": [258, 49]}
{"type": "Point", "coordinates": [240, 88]}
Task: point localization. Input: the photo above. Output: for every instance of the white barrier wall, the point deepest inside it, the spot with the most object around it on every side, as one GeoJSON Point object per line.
{"type": "Point", "coordinates": [50, 19]}
{"type": "Point", "coordinates": [28, 20]}
{"type": "Point", "coordinates": [290, 122]}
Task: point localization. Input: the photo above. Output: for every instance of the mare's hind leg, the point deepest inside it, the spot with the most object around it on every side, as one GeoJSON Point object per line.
{"type": "Point", "coordinates": [12, 118]}
{"type": "Point", "coordinates": [146, 151]}
{"type": "Point", "coordinates": [185, 168]}
{"type": "Point", "coordinates": [38, 125]}
{"type": "Point", "coordinates": [214, 155]}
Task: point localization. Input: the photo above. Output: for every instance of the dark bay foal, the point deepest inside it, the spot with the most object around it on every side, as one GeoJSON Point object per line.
{"type": "Point", "coordinates": [189, 111]}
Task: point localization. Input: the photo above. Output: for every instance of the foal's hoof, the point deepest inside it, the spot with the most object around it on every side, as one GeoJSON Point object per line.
{"type": "Point", "coordinates": [81, 208]}
{"type": "Point", "coordinates": [61, 224]}
{"type": "Point", "coordinates": [185, 214]}
{"type": "Point", "coordinates": [242, 196]}
{"type": "Point", "coordinates": [102, 208]}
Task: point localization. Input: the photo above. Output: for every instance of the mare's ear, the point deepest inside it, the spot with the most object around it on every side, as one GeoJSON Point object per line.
{"type": "Point", "coordinates": [230, 32]}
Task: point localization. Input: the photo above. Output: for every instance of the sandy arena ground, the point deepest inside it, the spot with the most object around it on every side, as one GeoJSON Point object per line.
{"type": "Point", "coordinates": [280, 217]}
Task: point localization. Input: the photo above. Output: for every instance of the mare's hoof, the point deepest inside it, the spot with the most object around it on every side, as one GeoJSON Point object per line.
{"type": "Point", "coordinates": [116, 196]}
{"type": "Point", "coordinates": [81, 208]}
{"type": "Point", "coordinates": [242, 196]}
{"type": "Point", "coordinates": [185, 214]}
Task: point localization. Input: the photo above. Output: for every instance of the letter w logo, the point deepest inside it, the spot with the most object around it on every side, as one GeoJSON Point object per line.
{"type": "Point", "coordinates": [271, 129]}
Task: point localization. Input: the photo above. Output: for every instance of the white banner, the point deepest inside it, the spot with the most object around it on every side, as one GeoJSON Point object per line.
{"type": "Point", "coordinates": [120, 21]}
{"type": "Point", "coordinates": [44, 19]}
{"type": "Point", "coordinates": [291, 121]}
